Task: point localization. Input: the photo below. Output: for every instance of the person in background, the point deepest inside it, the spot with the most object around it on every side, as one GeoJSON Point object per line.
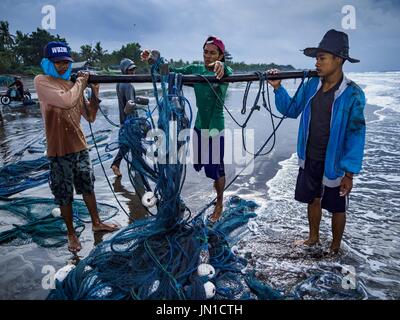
{"type": "Point", "coordinates": [125, 93]}
{"type": "Point", "coordinates": [19, 86]}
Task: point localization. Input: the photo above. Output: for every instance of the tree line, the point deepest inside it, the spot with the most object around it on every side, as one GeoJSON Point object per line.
{"type": "Point", "coordinates": [21, 54]}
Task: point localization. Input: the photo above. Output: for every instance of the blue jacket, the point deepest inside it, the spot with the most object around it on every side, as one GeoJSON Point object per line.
{"type": "Point", "coordinates": [345, 148]}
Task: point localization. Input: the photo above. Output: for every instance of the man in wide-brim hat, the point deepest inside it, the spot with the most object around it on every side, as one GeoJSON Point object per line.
{"type": "Point", "coordinates": [331, 135]}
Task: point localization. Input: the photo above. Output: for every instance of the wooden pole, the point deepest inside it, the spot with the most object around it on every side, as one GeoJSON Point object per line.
{"type": "Point", "coordinates": [192, 79]}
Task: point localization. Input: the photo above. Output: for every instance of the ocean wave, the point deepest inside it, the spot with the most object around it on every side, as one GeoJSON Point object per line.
{"type": "Point", "coordinates": [381, 89]}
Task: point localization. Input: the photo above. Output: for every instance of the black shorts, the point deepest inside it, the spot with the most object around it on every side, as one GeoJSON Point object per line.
{"type": "Point", "coordinates": [309, 186]}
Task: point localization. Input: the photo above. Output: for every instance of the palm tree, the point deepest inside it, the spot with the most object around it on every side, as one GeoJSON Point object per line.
{"type": "Point", "coordinates": [98, 51]}
{"type": "Point", "coordinates": [6, 38]}
{"type": "Point", "coordinates": [87, 53]}
{"type": "Point", "coordinates": [98, 54]}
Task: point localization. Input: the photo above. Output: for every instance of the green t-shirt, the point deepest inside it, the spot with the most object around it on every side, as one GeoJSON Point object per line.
{"type": "Point", "coordinates": [210, 109]}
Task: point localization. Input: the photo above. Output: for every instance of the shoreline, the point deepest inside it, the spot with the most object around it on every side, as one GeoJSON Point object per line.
{"type": "Point", "coordinates": [370, 115]}
{"type": "Point", "coordinates": [198, 190]}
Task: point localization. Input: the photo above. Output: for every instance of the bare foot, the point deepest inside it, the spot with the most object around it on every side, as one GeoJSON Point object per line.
{"type": "Point", "coordinates": [332, 252]}
{"type": "Point", "coordinates": [105, 227]}
{"type": "Point", "coordinates": [217, 213]}
{"type": "Point", "coordinates": [74, 245]}
{"type": "Point", "coordinates": [308, 242]}
{"type": "Point", "coordinates": [116, 171]}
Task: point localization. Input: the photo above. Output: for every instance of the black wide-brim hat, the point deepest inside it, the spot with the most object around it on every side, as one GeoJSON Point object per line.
{"type": "Point", "coordinates": [334, 42]}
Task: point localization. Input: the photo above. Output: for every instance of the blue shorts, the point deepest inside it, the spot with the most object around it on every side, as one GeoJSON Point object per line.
{"type": "Point", "coordinates": [212, 159]}
{"type": "Point", "coordinates": [309, 186]}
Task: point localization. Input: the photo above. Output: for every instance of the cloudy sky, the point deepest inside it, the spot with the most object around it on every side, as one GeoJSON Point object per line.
{"type": "Point", "coordinates": [253, 30]}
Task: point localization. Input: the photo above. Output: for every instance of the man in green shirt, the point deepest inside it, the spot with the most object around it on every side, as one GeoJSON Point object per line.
{"type": "Point", "coordinates": [210, 122]}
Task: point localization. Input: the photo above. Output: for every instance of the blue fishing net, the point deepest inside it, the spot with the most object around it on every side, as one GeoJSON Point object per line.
{"type": "Point", "coordinates": [41, 225]}
{"type": "Point", "coordinates": [26, 174]}
{"type": "Point", "coordinates": [160, 257]}
{"type": "Point", "coordinates": [148, 261]}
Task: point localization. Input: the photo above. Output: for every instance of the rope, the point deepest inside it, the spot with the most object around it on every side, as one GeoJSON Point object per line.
{"type": "Point", "coordinates": [101, 163]}
{"type": "Point", "coordinates": [263, 78]}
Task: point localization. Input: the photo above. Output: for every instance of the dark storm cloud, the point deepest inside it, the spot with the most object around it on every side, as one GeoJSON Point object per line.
{"type": "Point", "coordinates": [253, 30]}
